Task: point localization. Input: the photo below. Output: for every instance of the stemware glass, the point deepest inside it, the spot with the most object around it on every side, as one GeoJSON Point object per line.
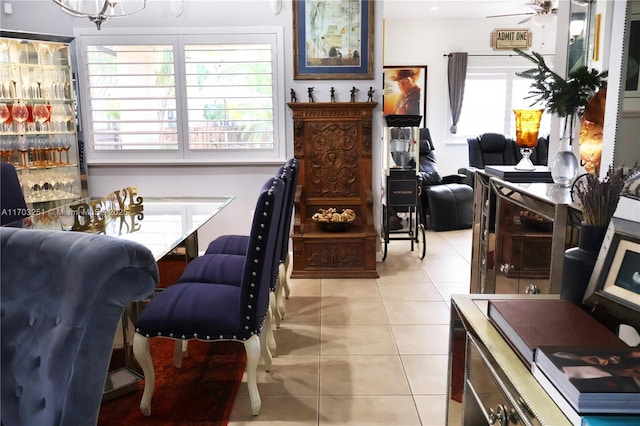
{"type": "Point", "coordinates": [23, 148]}
{"type": "Point", "coordinates": [6, 149]}
{"type": "Point", "coordinates": [5, 114]}
{"type": "Point", "coordinates": [527, 126]}
{"type": "Point", "coordinates": [19, 114]}
{"type": "Point", "coordinates": [66, 146]}
{"type": "Point", "coordinates": [40, 115]}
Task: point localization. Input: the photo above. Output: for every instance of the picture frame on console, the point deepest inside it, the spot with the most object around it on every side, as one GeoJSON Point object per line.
{"type": "Point", "coordinates": [405, 90]}
{"type": "Point", "coordinates": [613, 293]}
{"type": "Point", "coordinates": [333, 40]}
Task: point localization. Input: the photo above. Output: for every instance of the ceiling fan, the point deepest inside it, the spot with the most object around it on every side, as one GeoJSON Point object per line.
{"type": "Point", "coordinates": [543, 8]}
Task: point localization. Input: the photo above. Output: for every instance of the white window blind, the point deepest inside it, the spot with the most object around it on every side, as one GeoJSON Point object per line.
{"type": "Point", "coordinates": [492, 91]}
{"type": "Point", "coordinates": [199, 96]}
{"type": "Point", "coordinates": [229, 96]}
{"type": "Point", "coordinates": [132, 97]}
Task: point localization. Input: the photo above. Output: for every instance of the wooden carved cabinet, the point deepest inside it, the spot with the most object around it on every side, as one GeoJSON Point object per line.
{"type": "Point", "coordinates": [333, 142]}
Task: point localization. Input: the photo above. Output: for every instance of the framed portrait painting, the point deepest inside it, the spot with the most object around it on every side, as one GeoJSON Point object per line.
{"type": "Point", "coordinates": [405, 90]}
{"type": "Point", "coordinates": [333, 39]}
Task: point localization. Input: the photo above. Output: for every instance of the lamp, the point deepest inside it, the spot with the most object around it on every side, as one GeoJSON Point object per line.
{"type": "Point", "coordinates": [98, 11]}
{"type": "Point", "coordinates": [527, 126]}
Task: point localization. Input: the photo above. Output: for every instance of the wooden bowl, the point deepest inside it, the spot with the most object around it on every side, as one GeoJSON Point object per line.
{"type": "Point", "coordinates": [334, 226]}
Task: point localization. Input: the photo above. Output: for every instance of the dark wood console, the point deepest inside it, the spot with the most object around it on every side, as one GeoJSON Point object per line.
{"type": "Point", "coordinates": [333, 143]}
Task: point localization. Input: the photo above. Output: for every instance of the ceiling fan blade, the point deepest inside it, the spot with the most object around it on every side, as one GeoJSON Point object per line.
{"type": "Point", "coordinates": [510, 14]}
{"type": "Point", "coordinates": [527, 19]}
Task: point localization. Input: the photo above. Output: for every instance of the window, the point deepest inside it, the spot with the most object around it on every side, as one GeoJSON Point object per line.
{"type": "Point", "coordinates": [200, 96]}
{"type": "Point", "coordinates": [492, 91]}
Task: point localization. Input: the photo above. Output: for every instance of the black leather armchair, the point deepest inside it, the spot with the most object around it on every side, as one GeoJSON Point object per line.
{"type": "Point", "coordinates": [497, 149]}
{"type": "Point", "coordinates": [446, 200]}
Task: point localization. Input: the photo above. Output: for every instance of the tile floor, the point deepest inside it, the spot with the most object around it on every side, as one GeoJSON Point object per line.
{"type": "Point", "coordinates": [366, 351]}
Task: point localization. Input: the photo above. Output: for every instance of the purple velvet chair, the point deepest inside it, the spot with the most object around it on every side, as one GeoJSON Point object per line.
{"type": "Point", "coordinates": [219, 311]}
{"type": "Point", "coordinates": [63, 296]}
{"type": "Point", "coordinates": [237, 244]}
{"type": "Point", "coordinates": [12, 204]}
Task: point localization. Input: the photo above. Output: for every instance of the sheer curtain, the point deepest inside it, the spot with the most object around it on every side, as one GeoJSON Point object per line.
{"type": "Point", "coordinates": [457, 73]}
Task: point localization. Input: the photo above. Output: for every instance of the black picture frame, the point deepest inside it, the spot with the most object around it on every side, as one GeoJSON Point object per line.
{"type": "Point", "coordinates": [342, 48]}
{"type": "Point", "coordinates": [613, 292]}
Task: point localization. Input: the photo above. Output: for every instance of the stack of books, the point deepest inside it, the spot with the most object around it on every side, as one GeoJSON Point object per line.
{"type": "Point", "coordinates": [591, 374]}
{"type": "Point", "coordinates": [529, 323]}
{"type": "Point", "coordinates": [586, 381]}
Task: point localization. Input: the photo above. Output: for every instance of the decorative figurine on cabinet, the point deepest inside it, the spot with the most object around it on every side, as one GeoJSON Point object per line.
{"type": "Point", "coordinates": [310, 91]}
{"type": "Point", "coordinates": [370, 94]}
{"type": "Point", "coordinates": [333, 94]}
{"type": "Point", "coordinates": [293, 96]}
{"type": "Point", "coordinates": [353, 93]}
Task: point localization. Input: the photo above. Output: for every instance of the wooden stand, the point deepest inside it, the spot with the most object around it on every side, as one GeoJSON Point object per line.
{"type": "Point", "coordinates": [332, 142]}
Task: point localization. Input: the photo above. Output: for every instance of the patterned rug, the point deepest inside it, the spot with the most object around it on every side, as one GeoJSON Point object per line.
{"type": "Point", "coordinates": [202, 392]}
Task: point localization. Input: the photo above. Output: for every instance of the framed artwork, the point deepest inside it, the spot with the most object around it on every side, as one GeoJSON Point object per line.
{"type": "Point", "coordinates": [405, 90]}
{"type": "Point", "coordinates": [632, 83]}
{"type": "Point", "coordinates": [333, 39]}
{"type": "Point", "coordinates": [615, 281]}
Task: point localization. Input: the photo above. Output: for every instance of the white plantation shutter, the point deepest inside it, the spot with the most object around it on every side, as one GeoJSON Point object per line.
{"type": "Point", "coordinates": [175, 97]}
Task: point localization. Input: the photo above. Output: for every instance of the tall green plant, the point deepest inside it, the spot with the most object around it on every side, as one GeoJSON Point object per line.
{"type": "Point", "coordinates": [561, 96]}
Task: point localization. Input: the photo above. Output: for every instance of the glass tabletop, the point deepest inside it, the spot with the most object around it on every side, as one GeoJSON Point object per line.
{"type": "Point", "coordinates": [158, 223]}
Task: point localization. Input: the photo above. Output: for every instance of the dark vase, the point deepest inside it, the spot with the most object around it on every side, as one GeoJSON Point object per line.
{"type": "Point", "coordinates": [579, 262]}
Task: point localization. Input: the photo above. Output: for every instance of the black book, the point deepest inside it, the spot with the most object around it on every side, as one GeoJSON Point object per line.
{"type": "Point", "coordinates": [593, 380]}
{"type": "Point", "coordinates": [511, 174]}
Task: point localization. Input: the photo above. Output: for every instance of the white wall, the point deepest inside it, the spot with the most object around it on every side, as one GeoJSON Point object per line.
{"type": "Point", "coordinates": [425, 41]}
{"type": "Point", "coordinates": [43, 16]}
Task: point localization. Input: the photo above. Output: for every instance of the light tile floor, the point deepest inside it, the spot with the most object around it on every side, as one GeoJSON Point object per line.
{"type": "Point", "coordinates": [366, 351]}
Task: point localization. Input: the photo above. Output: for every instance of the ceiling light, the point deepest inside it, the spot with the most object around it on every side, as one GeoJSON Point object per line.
{"type": "Point", "coordinates": [543, 19]}
{"type": "Point", "coordinates": [99, 11]}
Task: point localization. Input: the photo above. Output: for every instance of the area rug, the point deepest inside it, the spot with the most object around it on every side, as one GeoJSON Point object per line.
{"type": "Point", "coordinates": [202, 392]}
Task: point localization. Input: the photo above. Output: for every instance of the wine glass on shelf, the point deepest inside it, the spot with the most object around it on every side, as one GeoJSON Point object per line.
{"type": "Point", "coordinates": [66, 146]}
{"type": "Point", "coordinates": [56, 142]}
{"type": "Point", "coordinates": [69, 116]}
{"type": "Point", "coordinates": [5, 114]}
{"type": "Point", "coordinates": [19, 114]}
{"type": "Point", "coordinates": [40, 115]}
{"type": "Point", "coordinates": [23, 149]}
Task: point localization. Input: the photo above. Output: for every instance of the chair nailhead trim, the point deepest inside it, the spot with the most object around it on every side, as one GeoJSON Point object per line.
{"type": "Point", "coordinates": [195, 335]}
{"type": "Point", "coordinates": [159, 333]}
{"type": "Point", "coordinates": [170, 334]}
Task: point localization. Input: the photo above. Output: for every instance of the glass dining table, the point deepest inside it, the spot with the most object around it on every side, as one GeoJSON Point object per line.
{"type": "Point", "coordinates": [167, 226]}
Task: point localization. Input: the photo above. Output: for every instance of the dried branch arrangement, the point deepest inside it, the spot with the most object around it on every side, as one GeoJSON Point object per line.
{"type": "Point", "coordinates": [599, 198]}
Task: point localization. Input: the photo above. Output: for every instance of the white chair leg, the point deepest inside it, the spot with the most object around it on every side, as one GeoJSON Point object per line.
{"type": "Point", "coordinates": [252, 348]}
{"type": "Point", "coordinates": [281, 310]}
{"type": "Point", "coordinates": [143, 356]}
{"type": "Point", "coordinates": [285, 283]}
{"type": "Point", "coordinates": [264, 341]}
{"type": "Point", "coordinates": [271, 313]}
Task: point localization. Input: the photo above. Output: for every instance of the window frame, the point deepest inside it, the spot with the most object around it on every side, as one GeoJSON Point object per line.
{"type": "Point", "coordinates": [508, 65]}
{"type": "Point", "coordinates": [178, 38]}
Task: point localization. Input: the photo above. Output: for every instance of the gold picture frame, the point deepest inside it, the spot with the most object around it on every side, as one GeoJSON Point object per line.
{"type": "Point", "coordinates": [333, 39]}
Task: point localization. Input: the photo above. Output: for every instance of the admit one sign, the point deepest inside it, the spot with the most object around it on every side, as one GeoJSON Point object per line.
{"type": "Point", "coordinates": [508, 39]}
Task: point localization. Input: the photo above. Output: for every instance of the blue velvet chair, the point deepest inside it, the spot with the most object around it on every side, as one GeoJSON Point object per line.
{"type": "Point", "coordinates": [237, 244]}
{"type": "Point", "coordinates": [12, 204]}
{"type": "Point", "coordinates": [63, 294]}
{"type": "Point", "coordinates": [218, 311]}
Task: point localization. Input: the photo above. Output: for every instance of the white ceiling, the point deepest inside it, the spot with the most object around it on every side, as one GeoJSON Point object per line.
{"type": "Point", "coordinates": [402, 9]}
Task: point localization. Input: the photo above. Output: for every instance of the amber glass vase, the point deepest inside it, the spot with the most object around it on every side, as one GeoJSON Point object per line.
{"type": "Point", "coordinates": [527, 126]}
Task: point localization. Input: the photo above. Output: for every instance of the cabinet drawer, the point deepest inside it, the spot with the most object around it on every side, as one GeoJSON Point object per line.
{"type": "Point", "coordinates": [487, 398]}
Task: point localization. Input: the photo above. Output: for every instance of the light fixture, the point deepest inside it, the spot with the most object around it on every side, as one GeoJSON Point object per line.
{"type": "Point", "coordinates": [543, 19]}
{"type": "Point", "coordinates": [99, 11]}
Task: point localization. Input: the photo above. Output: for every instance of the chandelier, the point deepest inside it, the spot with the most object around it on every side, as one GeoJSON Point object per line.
{"type": "Point", "coordinates": [99, 11]}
